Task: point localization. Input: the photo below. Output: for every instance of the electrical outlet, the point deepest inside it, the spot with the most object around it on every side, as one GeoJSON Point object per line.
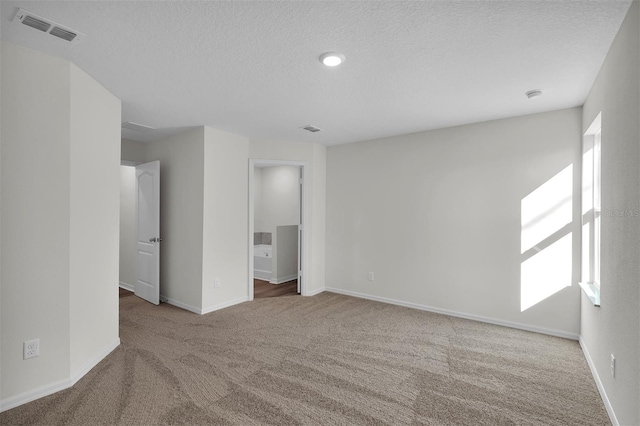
{"type": "Point", "coordinates": [31, 348]}
{"type": "Point", "coordinates": [216, 283]}
{"type": "Point", "coordinates": [371, 276]}
{"type": "Point", "coordinates": [613, 366]}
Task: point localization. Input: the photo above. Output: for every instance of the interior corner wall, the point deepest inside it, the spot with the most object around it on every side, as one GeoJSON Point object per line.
{"type": "Point", "coordinates": [318, 206]}
{"type": "Point", "coordinates": [225, 220]}
{"type": "Point", "coordinates": [614, 327]}
{"type": "Point", "coordinates": [437, 217]}
{"type": "Point", "coordinates": [59, 187]}
{"type": "Point", "coordinates": [35, 218]}
{"type": "Point", "coordinates": [95, 217]}
{"type": "Point", "coordinates": [0, 217]}
{"type": "Point", "coordinates": [133, 151]}
{"type": "Point", "coordinates": [181, 215]}
{"type": "Point", "coordinates": [314, 156]}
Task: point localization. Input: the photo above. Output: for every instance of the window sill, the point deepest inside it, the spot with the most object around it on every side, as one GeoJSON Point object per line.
{"type": "Point", "coordinates": [592, 291]}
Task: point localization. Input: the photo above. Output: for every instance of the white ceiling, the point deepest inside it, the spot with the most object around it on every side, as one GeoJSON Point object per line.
{"type": "Point", "coordinates": [252, 68]}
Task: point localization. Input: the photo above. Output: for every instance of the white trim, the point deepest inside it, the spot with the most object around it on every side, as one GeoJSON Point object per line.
{"type": "Point", "coordinates": [314, 292]}
{"type": "Point", "coordinates": [46, 390]}
{"type": "Point", "coordinates": [93, 362]}
{"type": "Point", "coordinates": [520, 326]}
{"type": "Point", "coordinates": [204, 310]}
{"type": "Point", "coordinates": [596, 377]}
{"type": "Point", "coordinates": [32, 395]}
{"type": "Point", "coordinates": [592, 291]}
{"type": "Point", "coordinates": [181, 305]}
{"type": "Point", "coordinates": [225, 305]}
{"type": "Point", "coordinates": [261, 274]}
{"type": "Point", "coordinates": [595, 126]}
{"type": "Point", "coordinates": [304, 260]}
{"type": "Point", "coordinates": [284, 279]}
{"type": "Point", "coordinates": [127, 286]}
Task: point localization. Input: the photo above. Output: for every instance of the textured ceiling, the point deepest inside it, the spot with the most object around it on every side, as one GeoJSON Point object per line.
{"type": "Point", "coordinates": [252, 68]}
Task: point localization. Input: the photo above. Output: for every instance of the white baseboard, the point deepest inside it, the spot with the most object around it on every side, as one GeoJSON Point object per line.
{"type": "Point", "coordinates": [204, 310]}
{"type": "Point", "coordinates": [225, 305]}
{"type": "Point", "coordinates": [262, 275]}
{"type": "Point", "coordinates": [93, 362]}
{"type": "Point", "coordinates": [32, 395]}
{"type": "Point", "coordinates": [46, 390]}
{"type": "Point", "coordinates": [313, 292]}
{"type": "Point", "coordinates": [526, 327]}
{"type": "Point", "coordinates": [181, 305]}
{"type": "Point", "coordinates": [596, 377]}
{"type": "Point", "coordinates": [284, 279]}
{"type": "Point", "coordinates": [127, 286]}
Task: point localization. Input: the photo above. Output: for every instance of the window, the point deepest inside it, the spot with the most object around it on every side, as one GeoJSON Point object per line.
{"type": "Point", "coordinates": [591, 211]}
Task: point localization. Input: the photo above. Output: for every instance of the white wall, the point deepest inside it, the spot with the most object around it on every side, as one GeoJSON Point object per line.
{"type": "Point", "coordinates": [614, 328]}
{"type": "Point", "coordinates": [0, 218]}
{"type": "Point", "coordinates": [133, 151]}
{"type": "Point", "coordinates": [95, 219]}
{"type": "Point", "coordinates": [35, 218]}
{"type": "Point", "coordinates": [277, 200]}
{"type": "Point", "coordinates": [257, 199]}
{"type": "Point", "coordinates": [225, 219]}
{"type": "Point", "coordinates": [437, 217]}
{"type": "Point", "coordinates": [317, 204]}
{"type": "Point", "coordinates": [286, 254]}
{"type": "Point", "coordinates": [127, 226]}
{"type": "Point", "coordinates": [314, 155]}
{"type": "Point", "coordinates": [181, 215]}
{"type": "Point", "coordinates": [59, 142]}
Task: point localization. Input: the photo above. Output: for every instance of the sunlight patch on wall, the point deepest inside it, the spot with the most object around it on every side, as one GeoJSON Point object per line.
{"type": "Point", "coordinates": [546, 273]}
{"type": "Point", "coordinates": [546, 243]}
{"type": "Point", "coordinates": [547, 209]}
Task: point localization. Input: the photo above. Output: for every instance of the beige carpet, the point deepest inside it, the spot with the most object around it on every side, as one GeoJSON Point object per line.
{"type": "Point", "coordinates": [325, 360]}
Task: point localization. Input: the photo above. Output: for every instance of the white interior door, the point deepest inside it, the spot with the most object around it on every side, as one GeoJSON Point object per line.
{"type": "Point", "coordinates": [148, 232]}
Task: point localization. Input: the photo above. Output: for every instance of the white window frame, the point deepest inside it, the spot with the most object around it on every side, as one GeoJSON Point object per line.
{"type": "Point", "coordinates": [592, 215]}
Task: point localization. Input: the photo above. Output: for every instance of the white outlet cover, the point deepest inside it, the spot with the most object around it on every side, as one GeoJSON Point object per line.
{"type": "Point", "coordinates": [31, 348]}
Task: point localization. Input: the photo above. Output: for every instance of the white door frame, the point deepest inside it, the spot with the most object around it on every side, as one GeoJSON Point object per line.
{"type": "Point", "coordinates": [305, 241]}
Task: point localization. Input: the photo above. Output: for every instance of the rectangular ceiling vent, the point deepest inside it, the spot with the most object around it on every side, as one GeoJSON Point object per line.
{"type": "Point", "coordinates": [311, 128]}
{"type": "Point", "coordinates": [45, 25]}
{"type": "Point", "coordinates": [137, 127]}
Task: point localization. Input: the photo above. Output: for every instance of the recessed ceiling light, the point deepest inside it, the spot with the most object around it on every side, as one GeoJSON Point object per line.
{"type": "Point", "coordinates": [533, 93]}
{"type": "Point", "coordinates": [332, 59]}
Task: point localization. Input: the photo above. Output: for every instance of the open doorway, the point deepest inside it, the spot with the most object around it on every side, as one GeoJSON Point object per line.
{"type": "Point", "coordinates": [127, 228]}
{"type": "Point", "coordinates": [140, 230]}
{"type": "Point", "coordinates": [276, 219]}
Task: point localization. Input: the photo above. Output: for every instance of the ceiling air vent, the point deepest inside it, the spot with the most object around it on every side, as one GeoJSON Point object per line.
{"type": "Point", "coordinates": [137, 127]}
{"type": "Point", "coordinates": [32, 22]}
{"type": "Point", "coordinates": [45, 25]}
{"type": "Point", "coordinates": [310, 128]}
{"type": "Point", "coordinates": [63, 34]}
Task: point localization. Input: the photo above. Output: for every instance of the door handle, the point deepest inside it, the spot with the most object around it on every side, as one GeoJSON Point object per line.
{"type": "Point", "coordinates": [155, 240]}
